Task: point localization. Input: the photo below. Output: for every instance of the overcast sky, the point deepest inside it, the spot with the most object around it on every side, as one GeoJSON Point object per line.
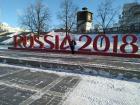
{"type": "Point", "coordinates": [10, 9]}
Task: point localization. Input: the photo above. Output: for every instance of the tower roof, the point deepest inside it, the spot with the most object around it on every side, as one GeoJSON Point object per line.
{"type": "Point", "coordinates": [84, 8]}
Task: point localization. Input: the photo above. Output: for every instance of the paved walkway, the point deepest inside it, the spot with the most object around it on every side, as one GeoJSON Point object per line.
{"type": "Point", "coordinates": [118, 62]}
{"type": "Point", "coordinates": [31, 86]}
{"type": "Point", "coordinates": [22, 86]}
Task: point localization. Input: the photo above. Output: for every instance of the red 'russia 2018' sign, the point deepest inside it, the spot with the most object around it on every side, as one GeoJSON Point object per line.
{"type": "Point", "coordinates": [125, 44]}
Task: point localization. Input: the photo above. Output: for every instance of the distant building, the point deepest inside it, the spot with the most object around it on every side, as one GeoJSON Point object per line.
{"type": "Point", "coordinates": [84, 21]}
{"type": "Point", "coordinates": [130, 15]}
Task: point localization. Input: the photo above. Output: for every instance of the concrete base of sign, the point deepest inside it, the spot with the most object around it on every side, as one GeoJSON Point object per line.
{"type": "Point", "coordinates": [79, 52]}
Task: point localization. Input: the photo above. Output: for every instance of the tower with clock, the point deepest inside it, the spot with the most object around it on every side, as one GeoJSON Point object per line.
{"type": "Point", "coordinates": [84, 20]}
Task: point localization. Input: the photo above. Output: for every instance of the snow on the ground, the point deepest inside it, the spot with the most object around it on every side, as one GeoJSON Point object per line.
{"type": "Point", "coordinates": [3, 47]}
{"type": "Point", "coordinates": [94, 90]}
{"type": "Point", "coordinates": [11, 35]}
{"type": "Point", "coordinates": [8, 41]}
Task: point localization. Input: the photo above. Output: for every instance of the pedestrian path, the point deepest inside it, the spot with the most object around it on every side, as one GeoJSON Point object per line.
{"type": "Point", "coordinates": [125, 68]}
{"type": "Point", "coordinates": [24, 86]}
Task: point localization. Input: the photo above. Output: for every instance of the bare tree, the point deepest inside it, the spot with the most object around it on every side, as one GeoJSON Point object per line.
{"type": "Point", "coordinates": [67, 15]}
{"type": "Point", "coordinates": [36, 17]}
{"type": "Point", "coordinates": [105, 14]}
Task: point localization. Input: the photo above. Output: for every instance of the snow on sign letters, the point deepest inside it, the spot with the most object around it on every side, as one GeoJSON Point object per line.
{"type": "Point", "coordinates": [110, 43]}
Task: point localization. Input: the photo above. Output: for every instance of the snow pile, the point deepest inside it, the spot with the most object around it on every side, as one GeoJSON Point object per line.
{"type": "Point", "coordinates": [9, 39]}
{"type": "Point", "coordinates": [103, 91]}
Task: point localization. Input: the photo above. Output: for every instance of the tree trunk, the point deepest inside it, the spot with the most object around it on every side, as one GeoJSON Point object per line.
{"type": "Point", "coordinates": [101, 43]}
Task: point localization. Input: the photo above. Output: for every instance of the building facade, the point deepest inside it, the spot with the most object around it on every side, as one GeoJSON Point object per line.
{"type": "Point", "coordinates": [130, 15]}
{"type": "Point", "coordinates": [84, 21]}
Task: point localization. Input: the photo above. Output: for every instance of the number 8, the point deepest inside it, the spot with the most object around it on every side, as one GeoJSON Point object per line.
{"type": "Point", "coordinates": [132, 43]}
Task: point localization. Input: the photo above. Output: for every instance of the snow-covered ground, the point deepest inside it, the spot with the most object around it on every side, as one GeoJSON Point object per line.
{"type": "Point", "coordinates": [104, 91]}
{"type": "Point", "coordinates": [5, 47]}
{"type": "Point", "coordinates": [96, 90]}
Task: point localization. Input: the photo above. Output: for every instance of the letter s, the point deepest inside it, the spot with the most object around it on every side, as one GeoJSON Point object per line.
{"type": "Point", "coordinates": [36, 39]}
{"type": "Point", "coordinates": [49, 42]}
